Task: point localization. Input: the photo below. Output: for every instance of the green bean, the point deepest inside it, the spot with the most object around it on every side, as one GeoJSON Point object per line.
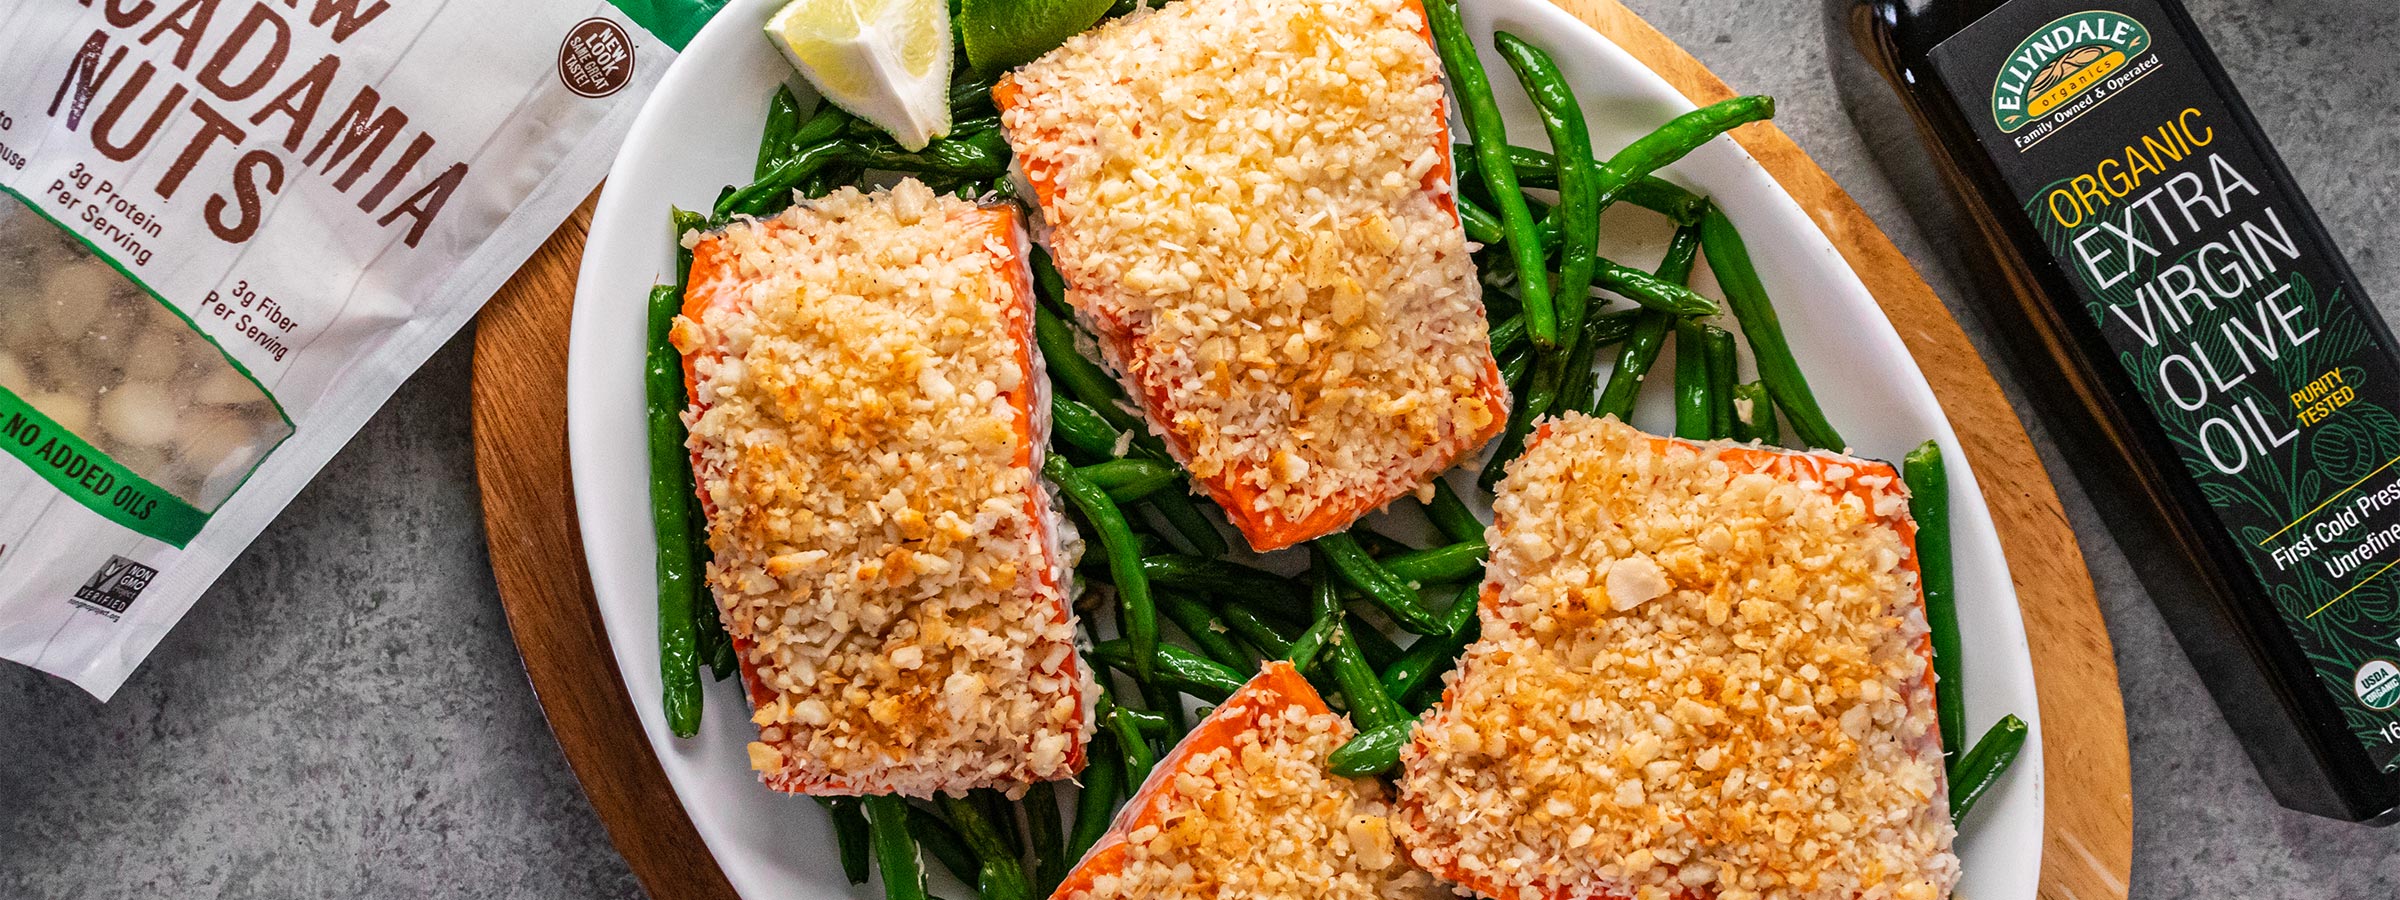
{"type": "Point", "coordinates": [979, 153]}
{"type": "Point", "coordinates": [895, 850]}
{"type": "Point", "coordinates": [670, 520]}
{"type": "Point", "coordinates": [1048, 835]}
{"type": "Point", "coordinates": [1652, 291]}
{"type": "Point", "coordinates": [1256, 630]}
{"type": "Point", "coordinates": [1424, 697]}
{"type": "Point", "coordinates": [1928, 480]}
{"type": "Point", "coordinates": [1263, 590]}
{"type": "Point", "coordinates": [1139, 616]}
{"type": "Point", "coordinates": [1085, 424]}
{"type": "Point", "coordinates": [1370, 578]}
{"type": "Point", "coordinates": [1184, 515]}
{"type": "Point", "coordinates": [1754, 414]}
{"type": "Point", "coordinates": [1666, 198]}
{"type": "Point", "coordinates": [1147, 723]}
{"type": "Point", "coordinates": [1673, 140]}
{"type": "Point", "coordinates": [1536, 399]}
{"type": "Point", "coordinates": [1131, 746]}
{"type": "Point", "coordinates": [1723, 359]}
{"type": "Point", "coordinates": [1003, 815]}
{"type": "Point", "coordinates": [1378, 649]}
{"type": "Point", "coordinates": [1202, 627]}
{"type": "Point", "coordinates": [1127, 480]}
{"type": "Point", "coordinates": [972, 95]}
{"type": "Point", "coordinates": [849, 835]}
{"type": "Point", "coordinates": [1481, 225]}
{"type": "Point", "coordinates": [1982, 767]}
{"type": "Point", "coordinates": [1159, 695]}
{"type": "Point", "coordinates": [1176, 667]}
{"type": "Point", "coordinates": [1450, 562]}
{"type": "Point", "coordinates": [999, 874]}
{"type": "Point", "coordinates": [1103, 781]}
{"type": "Point", "coordinates": [1507, 333]}
{"type": "Point", "coordinates": [1633, 365]}
{"type": "Point", "coordinates": [1649, 333]}
{"type": "Point", "coordinates": [783, 119]}
{"type": "Point", "coordinates": [682, 221]}
{"type": "Point", "coordinates": [1489, 135]}
{"type": "Point", "coordinates": [1579, 183]}
{"type": "Point", "coordinates": [1598, 331]}
{"type": "Point", "coordinates": [1371, 752]}
{"type": "Point", "coordinates": [1512, 369]}
{"type": "Point", "coordinates": [827, 123]}
{"type": "Point", "coordinates": [1426, 659]}
{"type": "Point", "coordinates": [1048, 284]}
{"type": "Point", "coordinates": [1692, 403]}
{"type": "Point", "coordinates": [939, 839]}
{"type": "Point", "coordinates": [1082, 378]}
{"type": "Point", "coordinates": [771, 194]}
{"type": "Point", "coordinates": [1730, 259]}
{"type": "Point", "coordinates": [1450, 515]}
{"type": "Point", "coordinates": [1078, 425]}
{"type": "Point", "coordinates": [1324, 591]}
{"type": "Point", "coordinates": [1362, 691]}
{"type": "Point", "coordinates": [1311, 643]}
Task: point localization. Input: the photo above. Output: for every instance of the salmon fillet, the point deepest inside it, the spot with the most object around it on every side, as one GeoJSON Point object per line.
{"type": "Point", "coordinates": [1243, 807]}
{"type": "Point", "coordinates": [866, 430]}
{"type": "Point", "coordinates": [1704, 672]}
{"type": "Point", "coordinates": [1251, 204]}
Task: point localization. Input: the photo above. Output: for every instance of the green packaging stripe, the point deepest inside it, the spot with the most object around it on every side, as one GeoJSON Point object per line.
{"type": "Point", "coordinates": [671, 21]}
{"type": "Point", "coordinates": [91, 478]}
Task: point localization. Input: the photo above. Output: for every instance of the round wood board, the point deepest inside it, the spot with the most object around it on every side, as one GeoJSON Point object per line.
{"type": "Point", "coordinates": [529, 514]}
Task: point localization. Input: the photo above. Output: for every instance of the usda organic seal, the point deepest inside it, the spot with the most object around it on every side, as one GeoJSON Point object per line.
{"type": "Point", "coordinates": [2377, 684]}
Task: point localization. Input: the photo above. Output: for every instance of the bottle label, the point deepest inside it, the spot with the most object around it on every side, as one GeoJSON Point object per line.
{"type": "Point", "coordinates": [2272, 374]}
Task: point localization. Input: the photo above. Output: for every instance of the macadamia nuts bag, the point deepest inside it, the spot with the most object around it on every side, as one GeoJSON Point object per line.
{"type": "Point", "coordinates": [228, 229]}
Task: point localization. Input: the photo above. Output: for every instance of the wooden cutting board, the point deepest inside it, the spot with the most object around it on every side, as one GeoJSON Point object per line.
{"type": "Point", "coordinates": [529, 512]}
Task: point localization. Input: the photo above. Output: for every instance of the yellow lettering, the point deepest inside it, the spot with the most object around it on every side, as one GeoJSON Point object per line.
{"type": "Point", "coordinates": [2058, 194]}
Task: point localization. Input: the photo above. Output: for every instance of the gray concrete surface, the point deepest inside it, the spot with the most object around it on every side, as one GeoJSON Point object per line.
{"type": "Point", "coordinates": [344, 715]}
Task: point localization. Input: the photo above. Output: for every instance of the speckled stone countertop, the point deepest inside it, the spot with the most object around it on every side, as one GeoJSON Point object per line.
{"type": "Point", "coordinates": [344, 714]}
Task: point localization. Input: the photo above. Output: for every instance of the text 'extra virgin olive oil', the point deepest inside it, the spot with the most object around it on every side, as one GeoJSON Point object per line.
{"type": "Point", "coordinates": [2228, 394]}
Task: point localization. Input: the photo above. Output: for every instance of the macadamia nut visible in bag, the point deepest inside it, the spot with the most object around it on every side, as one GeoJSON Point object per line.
{"type": "Point", "coordinates": [228, 230]}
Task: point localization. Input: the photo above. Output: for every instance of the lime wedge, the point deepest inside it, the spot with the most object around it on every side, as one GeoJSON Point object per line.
{"type": "Point", "coordinates": [886, 61]}
{"type": "Point", "coordinates": [1004, 33]}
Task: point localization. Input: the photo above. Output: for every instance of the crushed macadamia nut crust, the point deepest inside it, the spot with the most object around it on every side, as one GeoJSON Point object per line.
{"type": "Point", "coordinates": [867, 420]}
{"type": "Point", "coordinates": [1250, 202]}
{"type": "Point", "coordinates": [1246, 809]}
{"type": "Point", "coordinates": [1703, 673]}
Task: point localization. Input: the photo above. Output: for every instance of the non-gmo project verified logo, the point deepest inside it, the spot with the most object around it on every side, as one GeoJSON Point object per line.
{"type": "Point", "coordinates": [113, 588]}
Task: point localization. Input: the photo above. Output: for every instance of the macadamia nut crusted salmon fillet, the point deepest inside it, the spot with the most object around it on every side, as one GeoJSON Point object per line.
{"type": "Point", "coordinates": [1703, 674]}
{"type": "Point", "coordinates": [866, 429]}
{"type": "Point", "coordinates": [1244, 809]}
{"type": "Point", "coordinates": [1251, 204]}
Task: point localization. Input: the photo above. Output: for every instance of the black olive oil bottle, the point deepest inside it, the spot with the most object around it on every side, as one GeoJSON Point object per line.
{"type": "Point", "coordinates": [2228, 395]}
